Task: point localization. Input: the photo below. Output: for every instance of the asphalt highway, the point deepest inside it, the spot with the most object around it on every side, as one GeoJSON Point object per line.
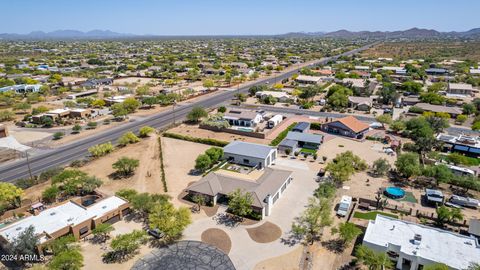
{"type": "Point", "coordinates": [77, 150]}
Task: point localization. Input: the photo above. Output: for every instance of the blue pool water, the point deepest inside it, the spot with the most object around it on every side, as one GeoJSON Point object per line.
{"type": "Point", "coordinates": [395, 192]}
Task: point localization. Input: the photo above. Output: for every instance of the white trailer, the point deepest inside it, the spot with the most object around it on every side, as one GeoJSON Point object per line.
{"type": "Point", "coordinates": [464, 201]}
{"type": "Point", "coordinates": [275, 120]}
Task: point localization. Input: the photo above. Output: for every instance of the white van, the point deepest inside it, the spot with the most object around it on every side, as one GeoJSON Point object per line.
{"type": "Point", "coordinates": [344, 206]}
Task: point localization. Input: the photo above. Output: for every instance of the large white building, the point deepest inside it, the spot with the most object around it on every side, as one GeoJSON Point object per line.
{"type": "Point", "coordinates": [414, 246]}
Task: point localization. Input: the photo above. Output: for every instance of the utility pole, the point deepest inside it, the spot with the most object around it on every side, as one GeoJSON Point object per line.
{"type": "Point", "coordinates": [28, 165]}
{"type": "Point", "coordinates": [174, 103]}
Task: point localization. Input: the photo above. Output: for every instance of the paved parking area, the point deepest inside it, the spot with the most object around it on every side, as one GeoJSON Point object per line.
{"type": "Point", "coordinates": [245, 252]}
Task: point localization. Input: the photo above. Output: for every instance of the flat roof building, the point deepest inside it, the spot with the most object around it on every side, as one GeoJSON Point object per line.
{"type": "Point", "coordinates": [305, 79]}
{"type": "Point", "coordinates": [250, 154]}
{"type": "Point", "coordinates": [69, 217]}
{"type": "Point", "coordinates": [414, 246]}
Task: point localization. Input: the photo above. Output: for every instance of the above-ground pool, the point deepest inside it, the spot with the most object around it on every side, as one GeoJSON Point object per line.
{"type": "Point", "coordinates": [395, 192]}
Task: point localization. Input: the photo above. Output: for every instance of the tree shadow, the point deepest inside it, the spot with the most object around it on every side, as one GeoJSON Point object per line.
{"type": "Point", "coordinates": [334, 245]}
{"type": "Point", "coordinates": [227, 220]}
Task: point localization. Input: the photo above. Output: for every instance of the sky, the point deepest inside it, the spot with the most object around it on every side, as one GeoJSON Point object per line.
{"type": "Point", "coordinates": [233, 17]}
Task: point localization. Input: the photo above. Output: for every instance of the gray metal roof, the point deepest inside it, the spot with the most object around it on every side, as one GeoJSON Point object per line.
{"type": "Point", "coordinates": [248, 149]}
{"type": "Point", "coordinates": [302, 126]}
{"type": "Point", "coordinates": [288, 143]}
{"type": "Point", "coordinates": [304, 137]}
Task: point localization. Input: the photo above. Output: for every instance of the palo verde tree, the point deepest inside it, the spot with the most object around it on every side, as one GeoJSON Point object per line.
{"type": "Point", "coordinates": [169, 220]}
{"type": "Point", "coordinates": [125, 166]}
{"type": "Point", "coordinates": [240, 203]}
{"type": "Point", "coordinates": [309, 226]}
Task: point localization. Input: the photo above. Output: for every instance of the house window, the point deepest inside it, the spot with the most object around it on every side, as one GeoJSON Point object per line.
{"type": "Point", "coordinates": [83, 230]}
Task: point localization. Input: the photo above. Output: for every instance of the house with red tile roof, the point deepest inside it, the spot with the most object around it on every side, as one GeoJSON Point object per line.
{"type": "Point", "coordinates": [347, 126]}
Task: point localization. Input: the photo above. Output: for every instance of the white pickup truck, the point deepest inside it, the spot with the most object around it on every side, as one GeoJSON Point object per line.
{"type": "Point", "coordinates": [344, 206]}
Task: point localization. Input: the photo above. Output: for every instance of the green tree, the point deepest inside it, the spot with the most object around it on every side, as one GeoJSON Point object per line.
{"type": "Point", "coordinates": [397, 125]}
{"type": "Point", "coordinates": [125, 245]}
{"type": "Point", "coordinates": [441, 173]}
{"type": "Point", "coordinates": [150, 101]}
{"type": "Point", "coordinates": [10, 195]}
{"type": "Point", "coordinates": [22, 106]}
{"type": "Point", "coordinates": [125, 166]}
{"type": "Point", "coordinates": [372, 259]}
{"type": "Point", "coordinates": [196, 114]}
{"type": "Point", "coordinates": [58, 135]}
{"type": "Point", "coordinates": [119, 110]}
{"type": "Point", "coordinates": [461, 118]}
{"type": "Point", "coordinates": [131, 104]}
{"type": "Point", "coordinates": [25, 244]}
{"type": "Point", "coordinates": [469, 109]}
{"type": "Point", "coordinates": [50, 194]}
{"type": "Point", "coordinates": [76, 129]}
{"type": "Point", "coordinates": [203, 162]}
{"type": "Point", "coordinates": [6, 116]}
{"type": "Point", "coordinates": [436, 266]}
{"type": "Point", "coordinates": [127, 194]}
{"type": "Point", "coordinates": [128, 138]}
{"type": "Point", "coordinates": [101, 149]}
{"type": "Point", "coordinates": [445, 215]}
{"type": "Point", "coordinates": [145, 131]}
{"type": "Point", "coordinates": [215, 154]}
{"type": "Point", "coordinates": [381, 167]}
{"type": "Point", "coordinates": [98, 103]}
{"type": "Point", "coordinates": [325, 190]}
{"type": "Point", "coordinates": [169, 220]}
{"type": "Point", "coordinates": [222, 109]}
{"type": "Point", "coordinates": [344, 165]}
{"type": "Point", "coordinates": [310, 224]}
{"type": "Point", "coordinates": [62, 244]}
{"type": "Point", "coordinates": [67, 260]}
{"type": "Point", "coordinates": [199, 199]}
{"type": "Point", "coordinates": [240, 203]}
{"type": "Point", "coordinates": [348, 232]}
{"type": "Point", "coordinates": [384, 119]}
{"type": "Point", "coordinates": [102, 231]}
{"type": "Point", "coordinates": [408, 164]}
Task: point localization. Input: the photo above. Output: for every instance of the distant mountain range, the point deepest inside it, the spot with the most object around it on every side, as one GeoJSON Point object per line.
{"type": "Point", "coordinates": [413, 33]}
{"type": "Point", "coordinates": [67, 34]}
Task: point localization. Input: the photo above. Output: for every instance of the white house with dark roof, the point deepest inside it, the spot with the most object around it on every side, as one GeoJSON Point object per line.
{"type": "Point", "coordinates": [250, 154]}
{"type": "Point", "coordinates": [413, 246]}
{"type": "Point", "coordinates": [265, 190]}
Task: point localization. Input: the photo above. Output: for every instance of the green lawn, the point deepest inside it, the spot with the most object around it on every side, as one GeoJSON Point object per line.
{"type": "Point", "coordinates": [308, 151]}
{"type": "Point", "coordinates": [371, 215]}
{"type": "Point", "coordinates": [409, 197]}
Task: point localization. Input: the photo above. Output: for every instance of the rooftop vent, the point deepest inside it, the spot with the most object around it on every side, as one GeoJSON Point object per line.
{"type": "Point", "coordinates": [417, 239]}
{"type": "Point", "coordinates": [104, 207]}
{"type": "Point", "coordinates": [53, 214]}
{"type": "Point", "coordinates": [18, 228]}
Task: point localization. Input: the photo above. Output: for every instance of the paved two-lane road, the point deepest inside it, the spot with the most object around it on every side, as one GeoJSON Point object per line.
{"type": "Point", "coordinates": [77, 150]}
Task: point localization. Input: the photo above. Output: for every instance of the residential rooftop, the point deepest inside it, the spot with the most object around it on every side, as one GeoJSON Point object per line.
{"type": "Point", "coordinates": [452, 249]}
{"type": "Point", "coordinates": [248, 149]}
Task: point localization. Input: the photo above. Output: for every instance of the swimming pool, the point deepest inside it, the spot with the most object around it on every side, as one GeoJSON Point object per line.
{"type": "Point", "coordinates": [395, 192]}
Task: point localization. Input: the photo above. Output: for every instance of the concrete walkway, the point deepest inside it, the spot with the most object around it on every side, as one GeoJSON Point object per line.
{"type": "Point", "coordinates": [245, 252]}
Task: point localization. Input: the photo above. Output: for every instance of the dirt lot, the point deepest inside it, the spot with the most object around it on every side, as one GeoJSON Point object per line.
{"type": "Point", "coordinates": [92, 253]}
{"type": "Point", "coordinates": [179, 159]}
{"type": "Point", "coordinates": [195, 131]}
{"type": "Point", "coordinates": [337, 145]}
{"type": "Point", "coordinates": [289, 261]}
{"type": "Point", "coordinates": [147, 152]}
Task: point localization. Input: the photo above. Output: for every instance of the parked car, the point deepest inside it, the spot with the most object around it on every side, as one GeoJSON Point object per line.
{"type": "Point", "coordinates": [344, 206]}
{"type": "Point", "coordinates": [156, 233]}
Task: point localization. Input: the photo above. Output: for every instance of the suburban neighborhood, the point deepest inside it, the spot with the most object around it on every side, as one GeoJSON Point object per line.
{"type": "Point", "coordinates": [336, 150]}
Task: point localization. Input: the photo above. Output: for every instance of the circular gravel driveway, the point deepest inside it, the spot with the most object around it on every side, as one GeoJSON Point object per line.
{"type": "Point", "coordinates": [185, 255]}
